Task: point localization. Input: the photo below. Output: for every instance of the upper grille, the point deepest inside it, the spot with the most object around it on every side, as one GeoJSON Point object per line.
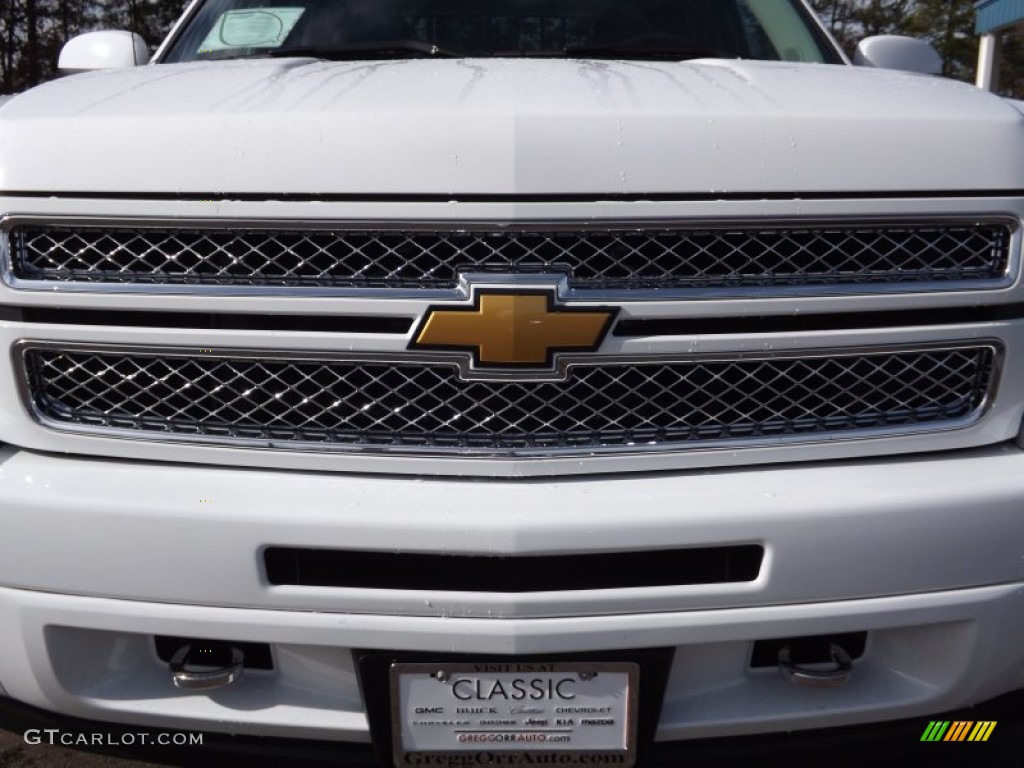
{"type": "Point", "coordinates": [624, 258]}
{"type": "Point", "coordinates": [426, 406]}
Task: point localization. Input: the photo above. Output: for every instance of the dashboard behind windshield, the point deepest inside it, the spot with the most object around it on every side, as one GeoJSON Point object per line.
{"type": "Point", "coordinates": [748, 29]}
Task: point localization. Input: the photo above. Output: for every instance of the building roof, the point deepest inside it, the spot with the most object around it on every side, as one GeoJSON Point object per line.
{"type": "Point", "coordinates": [993, 14]}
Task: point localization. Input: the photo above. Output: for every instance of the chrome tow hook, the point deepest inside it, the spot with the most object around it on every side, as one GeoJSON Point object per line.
{"type": "Point", "coordinates": [838, 675]}
{"type": "Point", "coordinates": [195, 668]}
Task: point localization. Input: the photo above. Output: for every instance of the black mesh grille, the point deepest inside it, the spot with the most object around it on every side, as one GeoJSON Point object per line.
{"type": "Point", "coordinates": [523, 573]}
{"type": "Point", "coordinates": [609, 259]}
{"type": "Point", "coordinates": [629, 406]}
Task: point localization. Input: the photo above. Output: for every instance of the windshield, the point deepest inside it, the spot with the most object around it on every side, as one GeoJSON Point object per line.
{"type": "Point", "coordinates": [367, 29]}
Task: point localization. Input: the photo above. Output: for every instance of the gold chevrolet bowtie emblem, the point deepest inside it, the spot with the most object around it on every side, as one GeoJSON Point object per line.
{"type": "Point", "coordinates": [520, 329]}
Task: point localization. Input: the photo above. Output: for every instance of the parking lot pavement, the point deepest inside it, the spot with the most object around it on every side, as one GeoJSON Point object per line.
{"type": "Point", "coordinates": [15, 753]}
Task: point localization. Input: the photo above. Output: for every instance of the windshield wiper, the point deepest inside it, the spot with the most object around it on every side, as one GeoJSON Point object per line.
{"type": "Point", "coordinates": [628, 50]}
{"type": "Point", "coordinates": [373, 50]}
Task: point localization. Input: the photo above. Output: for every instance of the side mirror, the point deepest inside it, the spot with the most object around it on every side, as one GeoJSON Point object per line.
{"type": "Point", "coordinates": [108, 49]}
{"type": "Point", "coordinates": [897, 52]}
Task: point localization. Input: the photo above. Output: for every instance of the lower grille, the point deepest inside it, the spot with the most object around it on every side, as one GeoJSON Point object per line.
{"type": "Point", "coordinates": [241, 399]}
{"type": "Point", "coordinates": [524, 573]}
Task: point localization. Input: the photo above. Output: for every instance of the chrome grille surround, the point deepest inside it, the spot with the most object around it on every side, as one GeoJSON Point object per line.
{"type": "Point", "coordinates": [305, 401]}
{"type": "Point", "coordinates": [202, 255]}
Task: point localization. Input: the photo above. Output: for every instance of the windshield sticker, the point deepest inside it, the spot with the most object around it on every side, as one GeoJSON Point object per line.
{"type": "Point", "coordinates": [251, 28]}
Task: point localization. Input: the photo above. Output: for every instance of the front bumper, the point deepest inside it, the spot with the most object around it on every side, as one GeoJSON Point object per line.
{"type": "Point", "coordinates": [922, 553]}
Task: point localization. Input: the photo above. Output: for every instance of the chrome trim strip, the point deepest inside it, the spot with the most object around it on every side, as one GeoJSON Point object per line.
{"type": "Point", "coordinates": [20, 347]}
{"type": "Point", "coordinates": [1009, 277]}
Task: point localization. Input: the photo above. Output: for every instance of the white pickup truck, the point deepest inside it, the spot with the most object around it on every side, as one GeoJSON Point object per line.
{"type": "Point", "coordinates": [493, 382]}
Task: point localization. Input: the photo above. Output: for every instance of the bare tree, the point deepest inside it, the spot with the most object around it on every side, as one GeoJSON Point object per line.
{"type": "Point", "coordinates": [850, 21]}
{"type": "Point", "coordinates": [946, 24]}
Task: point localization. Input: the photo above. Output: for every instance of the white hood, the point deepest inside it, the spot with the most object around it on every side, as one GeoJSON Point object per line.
{"type": "Point", "coordinates": [507, 127]}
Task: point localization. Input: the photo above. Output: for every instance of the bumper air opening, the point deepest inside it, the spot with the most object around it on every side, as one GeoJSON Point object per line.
{"type": "Point", "coordinates": [525, 573]}
{"type": "Point", "coordinates": [219, 652]}
{"type": "Point", "coordinates": [814, 649]}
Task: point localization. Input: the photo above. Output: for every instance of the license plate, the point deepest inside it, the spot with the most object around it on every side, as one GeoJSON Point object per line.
{"type": "Point", "coordinates": [511, 713]}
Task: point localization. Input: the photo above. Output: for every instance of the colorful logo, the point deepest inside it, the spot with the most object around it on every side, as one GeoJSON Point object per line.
{"type": "Point", "coordinates": [958, 730]}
